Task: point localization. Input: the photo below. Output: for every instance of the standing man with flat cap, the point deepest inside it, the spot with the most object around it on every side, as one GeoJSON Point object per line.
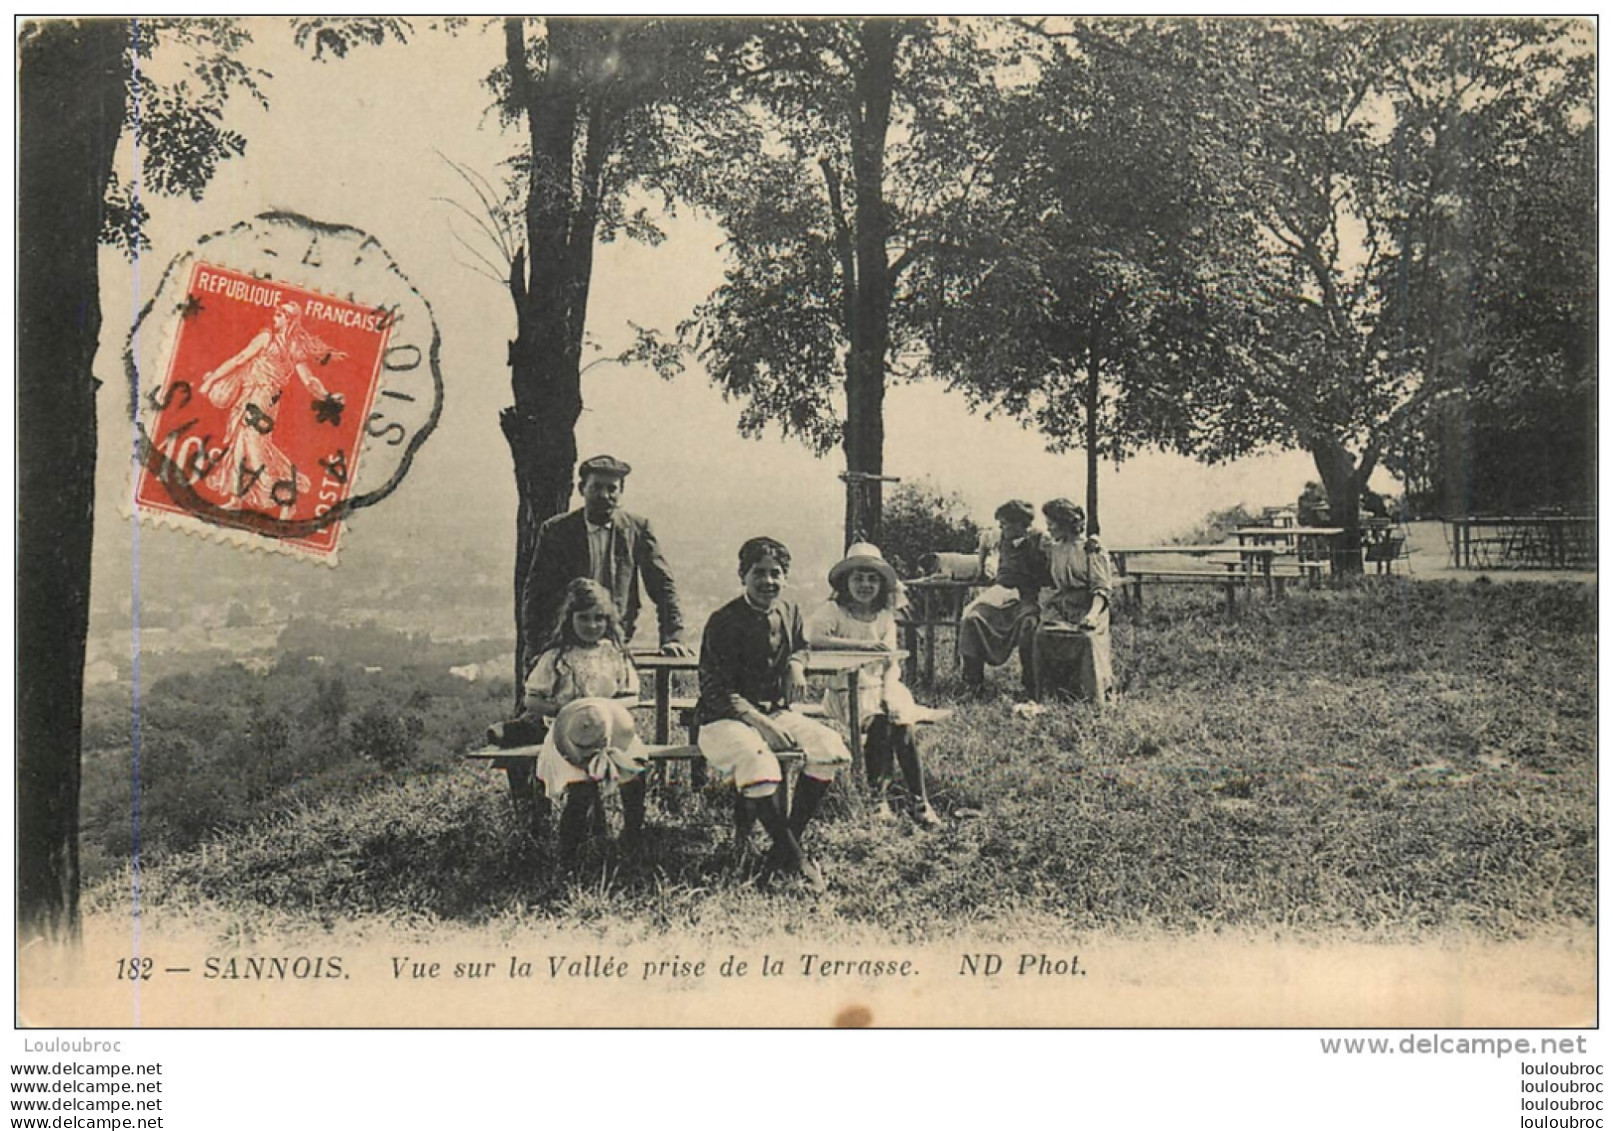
{"type": "Point", "coordinates": [603, 542]}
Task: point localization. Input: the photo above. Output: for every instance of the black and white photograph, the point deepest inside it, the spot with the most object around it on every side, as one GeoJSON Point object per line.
{"type": "Point", "coordinates": [899, 522]}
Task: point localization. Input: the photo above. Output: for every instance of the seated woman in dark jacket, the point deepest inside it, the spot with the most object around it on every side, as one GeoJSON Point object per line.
{"type": "Point", "coordinates": [1003, 619]}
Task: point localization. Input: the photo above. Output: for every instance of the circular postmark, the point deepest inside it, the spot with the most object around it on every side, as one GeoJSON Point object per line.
{"type": "Point", "coordinates": [283, 376]}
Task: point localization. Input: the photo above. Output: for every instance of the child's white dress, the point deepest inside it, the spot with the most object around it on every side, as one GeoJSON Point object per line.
{"type": "Point", "coordinates": [600, 671]}
{"type": "Point", "coordinates": [879, 687]}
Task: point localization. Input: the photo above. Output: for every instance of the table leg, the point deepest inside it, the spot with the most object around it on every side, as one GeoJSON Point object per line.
{"type": "Point", "coordinates": [929, 640]}
{"type": "Point", "coordinates": [910, 637]}
{"type": "Point", "coordinates": [854, 710]}
{"type": "Point", "coordinates": [663, 705]}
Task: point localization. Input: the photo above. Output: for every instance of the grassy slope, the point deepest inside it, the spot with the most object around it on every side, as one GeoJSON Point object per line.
{"type": "Point", "coordinates": [1392, 762]}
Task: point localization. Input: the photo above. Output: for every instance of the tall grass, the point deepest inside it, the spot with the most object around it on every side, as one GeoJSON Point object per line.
{"type": "Point", "coordinates": [1385, 762]}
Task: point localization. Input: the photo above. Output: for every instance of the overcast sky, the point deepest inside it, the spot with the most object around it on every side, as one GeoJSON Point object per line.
{"type": "Point", "coordinates": [357, 141]}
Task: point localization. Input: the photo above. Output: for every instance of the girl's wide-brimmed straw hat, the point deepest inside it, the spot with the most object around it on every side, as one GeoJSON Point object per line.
{"type": "Point", "coordinates": [864, 555]}
{"type": "Point", "coordinates": [585, 727]}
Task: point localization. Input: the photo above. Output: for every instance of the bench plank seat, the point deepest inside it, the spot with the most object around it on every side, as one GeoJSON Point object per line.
{"type": "Point", "coordinates": [520, 763]}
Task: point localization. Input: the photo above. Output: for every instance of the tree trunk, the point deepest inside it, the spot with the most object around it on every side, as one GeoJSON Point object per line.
{"type": "Point", "coordinates": [71, 111]}
{"type": "Point", "coordinates": [549, 286]}
{"type": "Point", "coordinates": [1093, 372]}
{"type": "Point", "coordinates": [1343, 481]}
{"type": "Point", "coordinates": [870, 327]}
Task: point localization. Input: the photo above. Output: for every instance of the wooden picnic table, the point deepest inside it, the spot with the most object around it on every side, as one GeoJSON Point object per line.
{"type": "Point", "coordinates": [1241, 566]}
{"type": "Point", "coordinates": [1251, 559]}
{"type": "Point", "coordinates": [1550, 541]}
{"type": "Point", "coordinates": [1302, 540]}
{"type": "Point", "coordinates": [1288, 535]}
{"type": "Point", "coordinates": [932, 603]}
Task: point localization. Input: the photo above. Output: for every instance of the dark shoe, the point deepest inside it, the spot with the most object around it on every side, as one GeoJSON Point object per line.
{"type": "Point", "coordinates": [882, 805]}
{"type": "Point", "coordinates": [925, 815]}
{"type": "Point", "coordinates": [538, 808]}
{"type": "Point", "coordinates": [786, 857]}
{"type": "Point", "coordinates": [974, 673]}
{"type": "Point", "coordinates": [907, 756]}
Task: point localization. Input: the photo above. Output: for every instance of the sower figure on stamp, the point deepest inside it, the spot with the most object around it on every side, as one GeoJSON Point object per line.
{"type": "Point", "coordinates": [250, 386]}
{"type": "Point", "coordinates": [1004, 617]}
{"type": "Point", "coordinates": [1072, 655]}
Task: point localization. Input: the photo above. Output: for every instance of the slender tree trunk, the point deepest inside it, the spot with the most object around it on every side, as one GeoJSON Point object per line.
{"type": "Point", "coordinates": [1094, 367]}
{"type": "Point", "coordinates": [549, 285]}
{"type": "Point", "coordinates": [870, 327]}
{"type": "Point", "coordinates": [71, 111]}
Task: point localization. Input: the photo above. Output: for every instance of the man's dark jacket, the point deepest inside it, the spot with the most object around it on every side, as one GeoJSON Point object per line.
{"type": "Point", "coordinates": [562, 555]}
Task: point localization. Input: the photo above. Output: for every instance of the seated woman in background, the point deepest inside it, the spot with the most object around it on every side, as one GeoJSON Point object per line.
{"type": "Point", "coordinates": [1072, 654]}
{"type": "Point", "coordinates": [1003, 618]}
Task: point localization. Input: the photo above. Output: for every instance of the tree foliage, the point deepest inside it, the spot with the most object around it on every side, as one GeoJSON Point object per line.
{"type": "Point", "coordinates": [830, 194]}
{"type": "Point", "coordinates": [1368, 154]}
{"type": "Point", "coordinates": [922, 518]}
{"type": "Point", "coordinates": [1071, 295]}
{"type": "Point", "coordinates": [230, 747]}
{"type": "Point", "coordinates": [182, 74]}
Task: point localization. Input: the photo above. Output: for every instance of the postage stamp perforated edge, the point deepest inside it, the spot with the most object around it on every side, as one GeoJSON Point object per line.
{"type": "Point", "coordinates": [191, 525]}
{"type": "Point", "coordinates": [168, 336]}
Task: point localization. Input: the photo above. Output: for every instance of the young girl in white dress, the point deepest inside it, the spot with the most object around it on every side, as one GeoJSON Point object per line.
{"type": "Point", "coordinates": [586, 663]}
{"type": "Point", "coordinates": [861, 617]}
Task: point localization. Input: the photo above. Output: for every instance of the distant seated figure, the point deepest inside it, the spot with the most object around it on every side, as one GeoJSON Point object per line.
{"type": "Point", "coordinates": [1072, 655]}
{"type": "Point", "coordinates": [1313, 506]}
{"type": "Point", "coordinates": [1004, 617]}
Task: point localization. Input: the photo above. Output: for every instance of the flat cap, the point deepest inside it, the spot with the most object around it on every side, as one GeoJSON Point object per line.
{"type": "Point", "coordinates": [603, 465]}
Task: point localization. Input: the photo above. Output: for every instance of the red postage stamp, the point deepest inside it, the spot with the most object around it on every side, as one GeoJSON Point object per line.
{"type": "Point", "coordinates": [259, 420]}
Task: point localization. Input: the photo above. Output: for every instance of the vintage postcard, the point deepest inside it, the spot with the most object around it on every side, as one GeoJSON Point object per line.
{"type": "Point", "coordinates": [924, 522]}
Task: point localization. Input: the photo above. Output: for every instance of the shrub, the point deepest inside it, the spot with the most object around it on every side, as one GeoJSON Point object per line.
{"type": "Point", "coordinates": [384, 738]}
{"type": "Point", "coordinates": [1216, 526]}
{"type": "Point", "coordinates": [919, 519]}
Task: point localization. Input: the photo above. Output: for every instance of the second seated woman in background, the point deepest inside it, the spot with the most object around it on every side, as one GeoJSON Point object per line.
{"type": "Point", "coordinates": [1072, 654]}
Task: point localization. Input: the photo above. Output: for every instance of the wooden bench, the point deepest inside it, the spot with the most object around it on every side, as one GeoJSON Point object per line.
{"type": "Point", "coordinates": [1230, 583]}
{"type": "Point", "coordinates": [683, 709]}
{"type": "Point", "coordinates": [520, 764]}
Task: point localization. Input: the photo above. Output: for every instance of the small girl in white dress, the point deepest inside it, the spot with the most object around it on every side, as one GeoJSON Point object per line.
{"type": "Point", "coordinates": [585, 661]}
{"type": "Point", "coordinates": [861, 617]}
